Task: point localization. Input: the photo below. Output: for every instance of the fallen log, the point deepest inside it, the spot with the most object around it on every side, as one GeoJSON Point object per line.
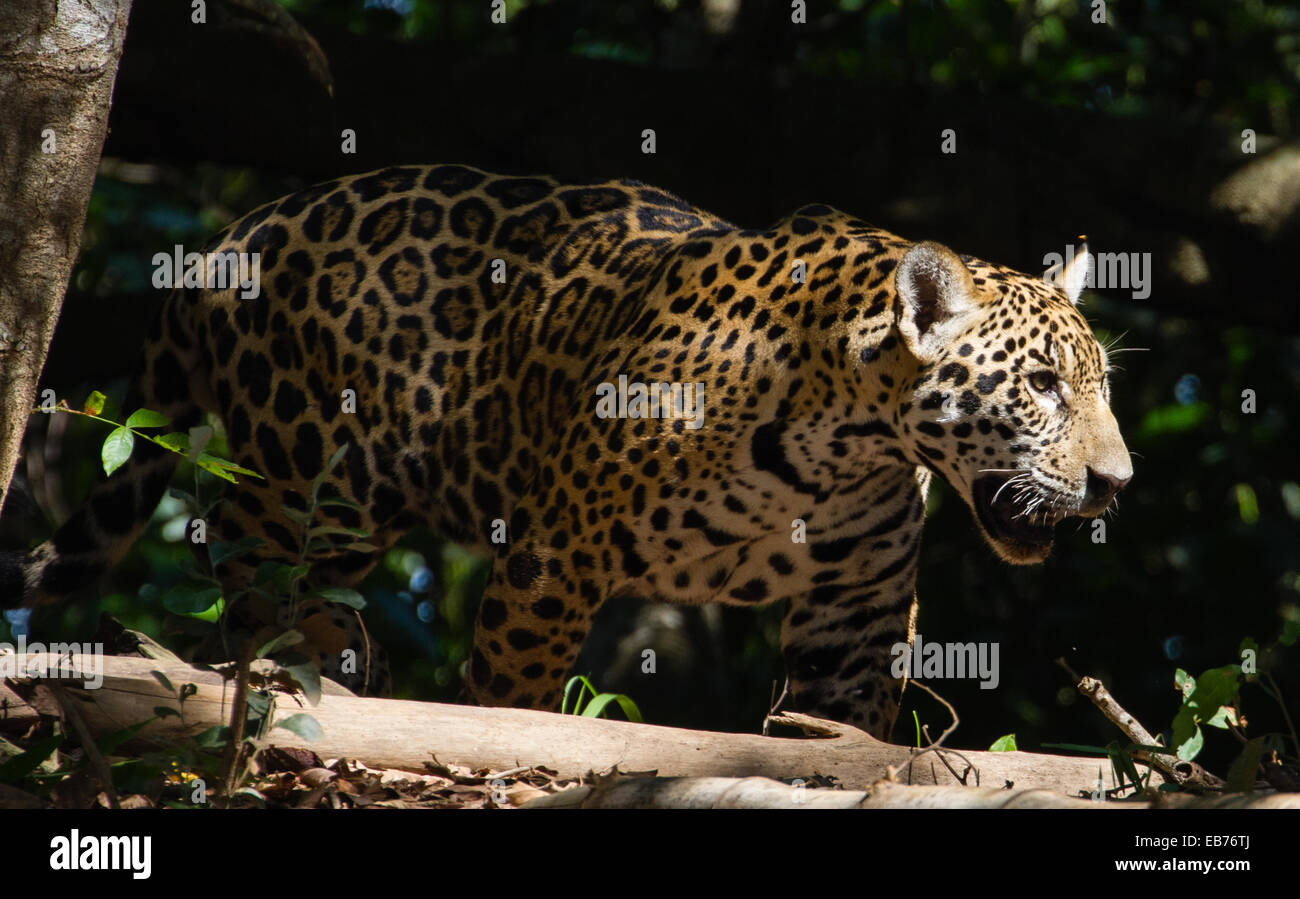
{"type": "Point", "coordinates": [761, 792]}
{"type": "Point", "coordinates": [391, 733]}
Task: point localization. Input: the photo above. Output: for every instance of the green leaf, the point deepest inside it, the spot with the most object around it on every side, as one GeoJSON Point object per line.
{"type": "Point", "coordinates": [212, 614]}
{"type": "Point", "coordinates": [220, 551]}
{"type": "Point", "coordinates": [1185, 683]}
{"type": "Point", "coordinates": [162, 679]}
{"type": "Point", "coordinates": [18, 767]}
{"type": "Point", "coordinates": [306, 673]}
{"type": "Point", "coordinates": [94, 403]}
{"type": "Point", "coordinates": [582, 684]}
{"type": "Point", "coordinates": [325, 529]}
{"type": "Point", "coordinates": [1122, 762]}
{"type": "Point", "coordinates": [596, 708]}
{"type": "Point", "coordinates": [192, 598]}
{"type": "Point", "coordinates": [629, 708]}
{"type": "Point", "coordinates": [1245, 767]}
{"type": "Point", "coordinates": [267, 572]}
{"type": "Point", "coordinates": [278, 576]}
{"type": "Point", "coordinates": [285, 640]}
{"type": "Point", "coordinates": [1290, 632]}
{"type": "Point", "coordinates": [1172, 419]}
{"type": "Point", "coordinates": [259, 703]}
{"type": "Point", "coordinates": [303, 725]}
{"type": "Point", "coordinates": [337, 501]}
{"type": "Point", "coordinates": [1191, 747]}
{"type": "Point", "coordinates": [1184, 727]}
{"type": "Point", "coordinates": [162, 711]}
{"type": "Point", "coordinates": [1004, 744]}
{"type": "Point", "coordinates": [1224, 716]}
{"type": "Point", "coordinates": [176, 442]}
{"type": "Point", "coordinates": [217, 470]}
{"type": "Point", "coordinates": [147, 418]}
{"type": "Point", "coordinates": [297, 516]}
{"type": "Point", "coordinates": [319, 480]}
{"type": "Point", "coordinates": [213, 738]}
{"type": "Point", "coordinates": [1247, 503]}
{"type": "Point", "coordinates": [250, 793]}
{"type": "Point", "coordinates": [1216, 696]}
{"type": "Point", "coordinates": [360, 547]}
{"type": "Point", "coordinates": [344, 596]}
{"type": "Point", "coordinates": [226, 465]}
{"type": "Point", "coordinates": [336, 458]}
{"type": "Point", "coordinates": [116, 449]}
{"type": "Point", "coordinates": [109, 742]}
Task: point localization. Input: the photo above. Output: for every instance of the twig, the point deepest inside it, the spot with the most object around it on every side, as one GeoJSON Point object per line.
{"type": "Point", "coordinates": [937, 747]}
{"type": "Point", "coordinates": [73, 714]}
{"type": "Point", "coordinates": [775, 708]}
{"type": "Point", "coordinates": [238, 714]}
{"type": "Point", "coordinates": [959, 777]}
{"type": "Point", "coordinates": [1187, 775]}
{"type": "Point", "coordinates": [365, 637]}
{"type": "Point", "coordinates": [508, 773]}
{"type": "Point", "coordinates": [1286, 715]}
{"type": "Point", "coordinates": [817, 727]}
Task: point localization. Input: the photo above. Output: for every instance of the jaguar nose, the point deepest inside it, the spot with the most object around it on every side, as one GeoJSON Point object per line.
{"type": "Point", "coordinates": [1102, 488]}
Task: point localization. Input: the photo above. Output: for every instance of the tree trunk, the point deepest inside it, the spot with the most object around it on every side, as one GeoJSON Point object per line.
{"type": "Point", "coordinates": [58, 62]}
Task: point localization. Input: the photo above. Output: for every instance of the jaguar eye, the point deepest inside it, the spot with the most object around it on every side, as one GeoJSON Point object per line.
{"type": "Point", "coordinates": [1044, 381]}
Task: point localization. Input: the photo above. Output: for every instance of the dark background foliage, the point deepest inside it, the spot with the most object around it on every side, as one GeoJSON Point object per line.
{"type": "Point", "coordinates": [1130, 131]}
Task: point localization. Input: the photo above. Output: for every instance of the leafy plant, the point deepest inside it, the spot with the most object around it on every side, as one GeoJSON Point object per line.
{"type": "Point", "coordinates": [1214, 699]}
{"type": "Point", "coordinates": [598, 704]}
{"type": "Point", "coordinates": [201, 595]}
{"type": "Point", "coordinates": [120, 442]}
{"type": "Point", "coordinates": [1122, 764]}
{"type": "Point", "coordinates": [1004, 744]}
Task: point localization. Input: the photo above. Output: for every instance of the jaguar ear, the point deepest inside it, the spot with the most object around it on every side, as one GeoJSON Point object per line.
{"type": "Point", "coordinates": [1072, 277]}
{"type": "Point", "coordinates": [936, 296]}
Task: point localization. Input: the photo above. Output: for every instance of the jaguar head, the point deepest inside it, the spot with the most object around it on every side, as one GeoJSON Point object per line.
{"type": "Point", "coordinates": [1009, 402]}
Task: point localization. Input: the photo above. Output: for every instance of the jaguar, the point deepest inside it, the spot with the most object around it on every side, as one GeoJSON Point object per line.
{"type": "Point", "coordinates": [457, 333]}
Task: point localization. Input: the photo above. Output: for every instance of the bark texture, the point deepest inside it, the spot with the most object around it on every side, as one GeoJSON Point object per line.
{"type": "Point", "coordinates": [58, 63]}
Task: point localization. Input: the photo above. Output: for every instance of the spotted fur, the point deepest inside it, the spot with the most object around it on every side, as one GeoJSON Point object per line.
{"type": "Point", "coordinates": [829, 403]}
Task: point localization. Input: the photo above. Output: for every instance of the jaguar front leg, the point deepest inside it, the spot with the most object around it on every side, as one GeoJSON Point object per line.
{"type": "Point", "coordinates": [838, 638]}
{"type": "Point", "coordinates": [533, 619]}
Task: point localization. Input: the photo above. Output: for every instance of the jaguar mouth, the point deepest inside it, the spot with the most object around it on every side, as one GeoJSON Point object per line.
{"type": "Point", "coordinates": [1015, 515]}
